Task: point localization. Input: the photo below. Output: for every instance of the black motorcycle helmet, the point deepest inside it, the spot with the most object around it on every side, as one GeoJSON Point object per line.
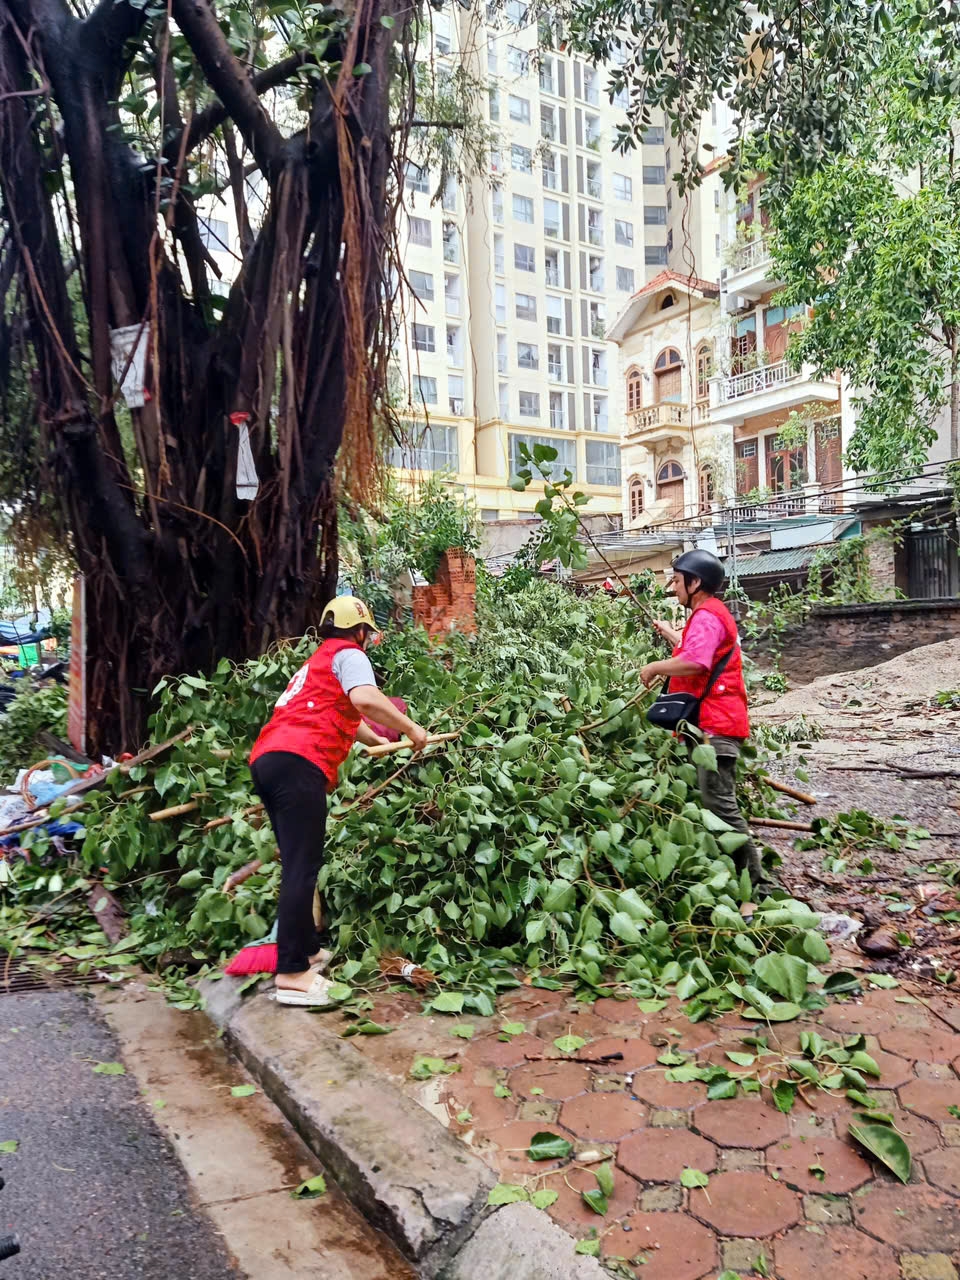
{"type": "Point", "coordinates": [703, 565]}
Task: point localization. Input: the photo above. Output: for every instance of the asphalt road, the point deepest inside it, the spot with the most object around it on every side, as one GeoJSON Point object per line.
{"type": "Point", "coordinates": [94, 1190]}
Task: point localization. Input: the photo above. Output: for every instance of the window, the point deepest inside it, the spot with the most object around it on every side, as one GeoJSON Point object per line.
{"type": "Point", "coordinates": [548, 123]}
{"type": "Point", "coordinates": [494, 105]}
{"type": "Point", "coordinates": [625, 280]}
{"type": "Point", "coordinates": [213, 233]}
{"type": "Point", "coordinates": [551, 269]}
{"type": "Point", "coordinates": [521, 159]}
{"type": "Point", "coordinates": [670, 241]}
{"type": "Point", "coordinates": [455, 394]}
{"type": "Point", "coordinates": [636, 498]}
{"type": "Point", "coordinates": [489, 514]}
{"type": "Point", "coordinates": [704, 370]}
{"type": "Point", "coordinates": [566, 459]}
{"type": "Point", "coordinates": [426, 448]}
{"type": "Point", "coordinates": [595, 226]}
{"type": "Point", "coordinates": [603, 462]}
{"type": "Point", "coordinates": [492, 58]}
{"type": "Point", "coordinates": [716, 198]}
{"type": "Point", "coordinates": [528, 355]}
{"type": "Point", "coordinates": [503, 400]}
{"type": "Point", "coordinates": [655, 254]}
{"type": "Point", "coordinates": [524, 258]}
{"type": "Point", "coordinates": [551, 218]}
{"type": "Point", "coordinates": [600, 421]}
{"type": "Point", "coordinates": [555, 362]}
{"type": "Point", "coordinates": [529, 404]}
{"type": "Point", "coordinates": [668, 301]}
{"type": "Point", "coordinates": [623, 232]}
{"type": "Point", "coordinates": [594, 180]}
{"type": "Point", "coordinates": [499, 261]}
{"type": "Point", "coordinates": [622, 187]}
{"type": "Point", "coordinates": [554, 314]}
{"type": "Point", "coordinates": [654, 175]}
{"type": "Point", "coordinates": [526, 307]}
{"type": "Point", "coordinates": [670, 488]}
{"type": "Point", "coordinates": [451, 294]}
{"type": "Point", "coordinates": [517, 60]}
{"type": "Point", "coordinates": [425, 390]}
{"type": "Point", "coordinates": [522, 209]}
{"type": "Point", "coordinates": [595, 267]}
{"type": "Point", "coordinates": [519, 109]}
{"type": "Point", "coordinates": [454, 345]}
{"type": "Point", "coordinates": [424, 337]}
{"type": "Point", "coordinates": [708, 488]}
{"type": "Point", "coordinates": [558, 418]}
{"type": "Point", "coordinates": [501, 353]}
{"type": "Point", "coordinates": [666, 159]}
{"type": "Point", "coordinates": [416, 179]}
{"type": "Point", "coordinates": [496, 160]}
{"type": "Point", "coordinates": [591, 132]}
{"type": "Point", "coordinates": [420, 231]}
{"type": "Point", "coordinates": [667, 374]}
{"type": "Point", "coordinates": [421, 282]}
{"type": "Point", "coordinates": [516, 12]}
{"type": "Point", "coordinates": [653, 135]}
{"type": "Point", "coordinates": [549, 162]}
{"type": "Point", "coordinates": [450, 195]}
{"type": "Point", "coordinates": [670, 204]}
{"type": "Point", "coordinates": [451, 243]}
{"type": "Point", "coordinates": [547, 78]}
{"type": "Point", "coordinates": [441, 33]}
{"type": "Point", "coordinates": [654, 215]}
{"type": "Point", "coordinates": [497, 201]}
{"type": "Point", "coordinates": [598, 368]}
{"type": "Point", "coordinates": [716, 242]}
{"type": "Point", "coordinates": [634, 390]}
{"type": "Point", "coordinates": [500, 303]}
{"type": "Point", "coordinates": [591, 92]}
{"type": "Point", "coordinates": [713, 112]}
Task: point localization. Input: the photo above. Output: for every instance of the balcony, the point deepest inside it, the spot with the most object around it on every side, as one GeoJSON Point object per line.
{"type": "Point", "coordinates": [551, 277]}
{"type": "Point", "coordinates": [594, 188]}
{"type": "Point", "coordinates": [551, 229]}
{"type": "Point", "coordinates": [550, 179]}
{"type": "Point", "coordinates": [595, 235]}
{"type": "Point", "coordinates": [769, 387]}
{"type": "Point", "coordinates": [810, 500]}
{"type": "Point", "coordinates": [554, 370]}
{"type": "Point", "coordinates": [557, 420]}
{"type": "Point", "coordinates": [599, 377]}
{"type": "Point", "coordinates": [659, 423]}
{"type": "Point", "coordinates": [747, 272]}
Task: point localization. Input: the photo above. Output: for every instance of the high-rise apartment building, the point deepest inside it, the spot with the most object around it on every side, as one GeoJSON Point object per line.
{"type": "Point", "coordinates": [514, 281]}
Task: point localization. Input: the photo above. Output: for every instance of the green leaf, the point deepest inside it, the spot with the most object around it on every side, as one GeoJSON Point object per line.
{"type": "Point", "coordinates": [841, 982]}
{"type": "Point", "coordinates": [9, 1146]}
{"type": "Point", "coordinates": [501, 1091]}
{"type": "Point", "coordinates": [507, 1193]}
{"type": "Point", "coordinates": [779, 1011]}
{"type": "Point", "coordinates": [651, 1006]}
{"type": "Point", "coordinates": [784, 974]}
{"type": "Point", "coordinates": [722, 1089]}
{"type": "Point", "coordinates": [447, 1002]}
{"type": "Point", "coordinates": [512, 1028]}
{"type": "Point", "coordinates": [243, 1091]}
{"type": "Point", "coordinates": [863, 1062]}
{"type": "Point", "coordinates": [741, 1059]}
{"type": "Point", "coordinates": [364, 1027]}
{"type": "Point", "coordinates": [339, 991]}
{"type": "Point", "coordinates": [784, 1095]}
{"type": "Point", "coordinates": [464, 1030]}
{"type": "Point", "coordinates": [464, 1117]}
{"type": "Point", "coordinates": [590, 1247]}
{"type": "Point", "coordinates": [884, 980]}
{"type": "Point", "coordinates": [693, 1178]}
{"type": "Point", "coordinates": [729, 1275]}
{"type": "Point", "coordinates": [311, 1189]}
{"type": "Point", "coordinates": [387, 21]}
{"type": "Point", "coordinates": [595, 1199]}
{"type": "Point", "coordinates": [569, 1044]}
{"type": "Point", "coordinates": [704, 757]}
{"type": "Point", "coordinates": [425, 1067]}
{"type": "Point", "coordinates": [544, 1199]}
{"type": "Point", "coordinates": [604, 1177]}
{"type": "Point", "coordinates": [624, 927]}
{"type": "Point", "coordinates": [887, 1145]}
{"type": "Point", "coordinates": [670, 1058]}
{"type": "Point", "coordinates": [362, 69]}
{"type": "Point", "coordinates": [548, 1146]}
{"type": "Point", "coordinates": [110, 1069]}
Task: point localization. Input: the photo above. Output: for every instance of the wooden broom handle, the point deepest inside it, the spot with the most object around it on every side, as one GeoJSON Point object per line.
{"type": "Point", "coordinates": [388, 748]}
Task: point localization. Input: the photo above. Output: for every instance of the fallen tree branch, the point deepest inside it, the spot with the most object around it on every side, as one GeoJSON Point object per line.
{"type": "Point", "coordinates": [781, 823]}
{"type": "Point", "coordinates": [787, 791]}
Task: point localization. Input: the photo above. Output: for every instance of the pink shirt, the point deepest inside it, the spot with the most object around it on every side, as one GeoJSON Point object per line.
{"type": "Point", "coordinates": [705, 635]}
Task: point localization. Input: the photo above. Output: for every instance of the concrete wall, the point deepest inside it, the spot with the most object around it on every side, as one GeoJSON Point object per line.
{"type": "Point", "coordinates": [846, 637]}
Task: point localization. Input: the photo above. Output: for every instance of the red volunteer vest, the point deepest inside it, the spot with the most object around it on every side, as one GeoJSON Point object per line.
{"type": "Point", "coordinates": [313, 717]}
{"type": "Point", "coordinates": [724, 709]}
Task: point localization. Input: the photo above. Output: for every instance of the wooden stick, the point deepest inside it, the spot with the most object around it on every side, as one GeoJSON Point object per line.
{"type": "Point", "coordinates": [788, 791]}
{"type": "Point", "coordinates": [161, 815]}
{"type": "Point", "coordinates": [244, 873]}
{"type": "Point", "coordinates": [222, 822]}
{"type": "Point", "coordinates": [388, 748]}
{"type": "Point", "coordinates": [779, 822]}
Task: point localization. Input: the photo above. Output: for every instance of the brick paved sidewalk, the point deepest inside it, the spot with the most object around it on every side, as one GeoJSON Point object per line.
{"type": "Point", "coordinates": [790, 1196]}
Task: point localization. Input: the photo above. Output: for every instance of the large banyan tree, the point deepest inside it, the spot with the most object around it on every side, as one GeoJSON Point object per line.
{"type": "Point", "coordinates": [119, 129]}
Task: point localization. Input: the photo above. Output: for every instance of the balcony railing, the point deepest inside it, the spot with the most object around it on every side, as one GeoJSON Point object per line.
{"type": "Point", "coordinates": [599, 377]}
{"type": "Point", "coordinates": [501, 363]}
{"type": "Point", "coordinates": [551, 276]}
{"type": "Point", "coordinates": [659, 415]}
{"type": "Point", "coordinates": [764, 378]}
{"type": "Point", "coordinates": [547, 84]}
{"type": "Point", "coordinates": [551, 229]}
{"type": "Point", "coordinates": [548, 130]}
{"type": "Point", "coordinates": [752, 254]}
{"type": "Point", "coordinates": [550, 179]}
{"type": "Point", "coordinates": [557, 420]}
{"type": "Point", "coordinates": [451, 253]}
{"type": "Point", "coordinates": [598, 327]}
{"type": "Point", "coordinates": [595, 235]}
{"type": "Point", "coordinates": [594, 188]}
{"type": "Point", "coordinates": [554, 371]}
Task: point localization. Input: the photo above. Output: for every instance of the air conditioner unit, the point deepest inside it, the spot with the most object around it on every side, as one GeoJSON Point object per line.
{"type": "Point", "coordinates": [733, 302]}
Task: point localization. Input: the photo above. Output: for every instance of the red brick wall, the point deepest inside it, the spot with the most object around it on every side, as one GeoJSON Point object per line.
{"type": "Point", "coordinates": [450, 603]}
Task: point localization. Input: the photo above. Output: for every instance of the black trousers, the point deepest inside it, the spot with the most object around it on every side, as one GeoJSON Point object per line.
{"type": "Point", "coordinates": [294, 794]}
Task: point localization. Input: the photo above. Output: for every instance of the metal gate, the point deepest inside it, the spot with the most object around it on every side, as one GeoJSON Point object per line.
{"type": "Point", "coordinates": [932, 564]}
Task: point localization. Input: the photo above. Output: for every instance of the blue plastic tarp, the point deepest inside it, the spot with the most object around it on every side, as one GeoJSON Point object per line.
{"type": "Point", "coordinates": [30, 629]}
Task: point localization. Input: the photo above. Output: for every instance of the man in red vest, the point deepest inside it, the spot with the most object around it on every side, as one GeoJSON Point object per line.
{"type": "Point", "coordinates": [708, 637]}
{"type": "Point", "coordinates": [295, 762]}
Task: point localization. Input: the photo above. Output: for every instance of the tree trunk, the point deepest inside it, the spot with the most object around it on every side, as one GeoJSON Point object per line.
{"type": "Point", "coordinates": [954, 396]}
{"type": "Point", "coordinates": [180, 571]}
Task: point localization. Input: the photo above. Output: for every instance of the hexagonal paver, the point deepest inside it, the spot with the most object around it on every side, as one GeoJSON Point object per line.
{"type": "Point", "coordinates": [557, 1080]}
{"type": "Point", "coordinates": [840, 1253]}
{"type": "Point", "coordinates": [741, 1122]}
{"type": "Point", "coordinates": [660, 1155]}
{"type": "Point", "coordinates": [917, 1043]}
{"type": "Point", "coordinates": [636, 1054]}
{"type": "Point", "coordinates": [894, 1070]}
{"type": "Point", "coordinates": [855, 1019]}
{"type": "Point", "coordinates": [572, 1213]}
{"type": "Point", "coordinates": [947, 1009]}
{"type": "Point", "coordinates": [910, 1218]}
{"type": "Point", "coordinates": [666, 1246]}
{"type": "Point", "coordinates": [526, 1003]}
{"type": "Point", "coordinates": [585, 1025]}
{"type": "Point", "coordinates": [486, 1110]}
{"type": "Point", "coordinates": [512, 1141]}
{"type": "Point", "coordinates": [603, 1116]}
{"type": "Point", "coordinates": [931, 1098]}
{"type": "Point", "coordinates": [654, 1087]}
{"type": "Point", "coordinates": [819, 1164]}
{"type": "Point", "coordinates": [920, 1135]}
{"type": "Point", "coordinates": [490, 1051]}
{"type": "Point", "coordinates": [624, 1011]}
{"type": "Point", "coordinates": [678, 1033]}
{"type": "Point", "coordinates": [746, 1204]}
{"type": "Point", "coordinates": [943, 1169]}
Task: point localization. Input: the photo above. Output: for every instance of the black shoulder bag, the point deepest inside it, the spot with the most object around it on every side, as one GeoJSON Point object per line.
{"type": "Point", "coordinates": [672, 709]}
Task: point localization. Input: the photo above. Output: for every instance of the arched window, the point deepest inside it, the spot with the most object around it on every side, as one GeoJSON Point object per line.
{"type": "Point", "coordinates": [704, 370]}
{"type": "Point", "coordinates": [668, 301]}
{"type": "Point", "coordinates": [708, 487]}
{"type": "Point", "coordinates": [636, 498]}
{"type": "Point", "coordinates": [667, 372]}
{"type": "Point", "coordinates": [634, 390]}
{"type": "Point", "coordinates": [670, 488]}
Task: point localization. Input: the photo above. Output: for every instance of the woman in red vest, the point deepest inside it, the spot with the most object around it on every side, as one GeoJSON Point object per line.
{"type": "Point", "coordinates": [709, 635]}
{"type": "Point", "coordinates": [295, 762]}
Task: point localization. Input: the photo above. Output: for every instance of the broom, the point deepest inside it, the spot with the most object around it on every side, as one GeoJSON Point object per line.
{"type": "Point", "coordinates": [261, 956]}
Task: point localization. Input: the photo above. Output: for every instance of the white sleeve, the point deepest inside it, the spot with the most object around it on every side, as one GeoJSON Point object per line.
{"type": "Point", "coordinates": [351, 667]}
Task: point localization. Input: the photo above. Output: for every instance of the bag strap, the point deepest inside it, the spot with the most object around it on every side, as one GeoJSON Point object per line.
{"type": "Point", "coordinates": [715, 673]}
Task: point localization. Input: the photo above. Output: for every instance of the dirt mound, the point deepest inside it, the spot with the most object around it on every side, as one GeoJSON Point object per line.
{"type": "Point", "coordinates": [909, 678]}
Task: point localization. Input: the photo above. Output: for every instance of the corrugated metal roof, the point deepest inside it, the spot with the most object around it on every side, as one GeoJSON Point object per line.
{"type": "Point", "coordinates": [790, 561]}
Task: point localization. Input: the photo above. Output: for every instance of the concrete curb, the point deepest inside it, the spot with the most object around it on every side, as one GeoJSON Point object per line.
{"type": "Point", "coordinates": [407, 1173]}
{"type": "Point", "coordinates": [519, 1242]}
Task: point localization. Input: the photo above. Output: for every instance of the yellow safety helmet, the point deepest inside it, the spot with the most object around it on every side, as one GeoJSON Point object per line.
{"type": "Point", "coordinates": [346, 612]}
